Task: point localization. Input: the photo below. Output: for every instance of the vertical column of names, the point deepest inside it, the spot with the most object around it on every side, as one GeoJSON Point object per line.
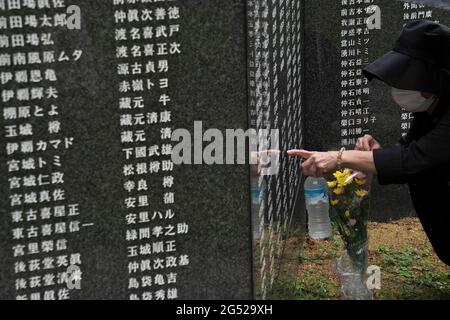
{"type": "Point", "coordinates": [262, 98]}
{"type": "Point", "coordinates": [147, 34]}
{"type": "Point", "coordinates": [294, 122]}
{"type": "Point", "coordinates": [356, 117]}
{"type": "Point", "coordinates": [251, 38]}
{"type": "Point", "coordinates": [412, 11]}
{"type": "Point", "coordinates": [277, 63]}
{"type": "Point", "coordinates": [42, 216]}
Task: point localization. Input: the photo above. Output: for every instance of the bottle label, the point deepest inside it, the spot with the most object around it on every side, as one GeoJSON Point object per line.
{"type": "Point", "coordinates": [316, 196]}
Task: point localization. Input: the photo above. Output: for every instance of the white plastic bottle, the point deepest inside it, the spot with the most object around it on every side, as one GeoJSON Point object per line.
{"type": "Point", "coordinates": [317, 205]}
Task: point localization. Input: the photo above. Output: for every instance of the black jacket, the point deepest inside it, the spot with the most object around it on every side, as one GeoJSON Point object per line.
{"type": "Point", "coordinates": [422, 160]}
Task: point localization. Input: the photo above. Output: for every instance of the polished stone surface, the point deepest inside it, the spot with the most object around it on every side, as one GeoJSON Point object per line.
{"type": "Point", "coordinates": [207, 83]}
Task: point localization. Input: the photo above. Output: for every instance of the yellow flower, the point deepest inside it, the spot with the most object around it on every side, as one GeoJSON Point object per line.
{"type": "Point", "coordinates": [360, 181]}
{"type": "Point", "coordinates": [332, 184]}
{"type": "Point", "coordinates": [347, 214]}
{"type": "Point", "coordinates": [337, 174]}
{"type": "Point", "coordinates": [341, 177]}
{"type": "Point", "coordinates": [361, 193]}
{"type": "Point", "coordinates": [339, 191]}
{"type": "Point", "coordinates": [334, 202]}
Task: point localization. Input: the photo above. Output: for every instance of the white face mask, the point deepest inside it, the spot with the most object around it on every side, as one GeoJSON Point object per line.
{"type": "Point", "coordinates": [412, 101]}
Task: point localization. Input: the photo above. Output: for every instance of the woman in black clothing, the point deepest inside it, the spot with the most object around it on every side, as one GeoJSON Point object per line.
{"type": "Point", "coordinates": [417, 70]}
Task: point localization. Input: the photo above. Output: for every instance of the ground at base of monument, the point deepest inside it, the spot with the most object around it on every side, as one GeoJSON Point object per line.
{"type": "Point", "coordinates": [409, 267]}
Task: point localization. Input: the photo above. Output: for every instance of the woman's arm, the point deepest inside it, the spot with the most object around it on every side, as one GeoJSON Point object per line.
{"type": "Point", "coordinates": [398, 164]}
{"type": "Point", "coordinates": [318, 164]}
{"type": "Point", "coordinates": [359, 160]}
{"type": "Point", "coordinates": [402, 164]}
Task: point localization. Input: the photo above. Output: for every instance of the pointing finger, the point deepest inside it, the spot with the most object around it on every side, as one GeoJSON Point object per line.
{"type": "Point", "coordinates": [300, 153]}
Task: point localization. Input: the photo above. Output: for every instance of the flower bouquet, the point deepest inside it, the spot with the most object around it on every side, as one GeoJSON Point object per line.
{"type": "Point", "coordinates": [350, 202]}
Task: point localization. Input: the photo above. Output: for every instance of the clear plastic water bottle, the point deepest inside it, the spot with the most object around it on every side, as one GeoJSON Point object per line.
{"type": "Point", "coordinates": [317, 205]}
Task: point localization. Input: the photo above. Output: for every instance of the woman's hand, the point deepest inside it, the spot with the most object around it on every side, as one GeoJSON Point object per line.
{"type": "Point", "coordinates": [317, 164]}
{"type": "Point", "coordinates": [367, 143]}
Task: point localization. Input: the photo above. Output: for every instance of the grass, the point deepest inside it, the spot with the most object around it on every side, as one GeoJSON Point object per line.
{"type": "Point", "coordinates": [415, 275]}
{"type": "Point", "coordinates": [313, 287]}
{"type": "Point", "coordinates": [409, 268]}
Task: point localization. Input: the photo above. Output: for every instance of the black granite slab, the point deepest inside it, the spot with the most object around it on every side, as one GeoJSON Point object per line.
{"type": "Point", "coordinates": [207, 82]}
{"type": "Point", "coordinates": [323, 86]}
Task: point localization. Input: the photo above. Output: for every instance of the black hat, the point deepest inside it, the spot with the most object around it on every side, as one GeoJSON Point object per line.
{"type": "Point", "coordinates": [419, 60]}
